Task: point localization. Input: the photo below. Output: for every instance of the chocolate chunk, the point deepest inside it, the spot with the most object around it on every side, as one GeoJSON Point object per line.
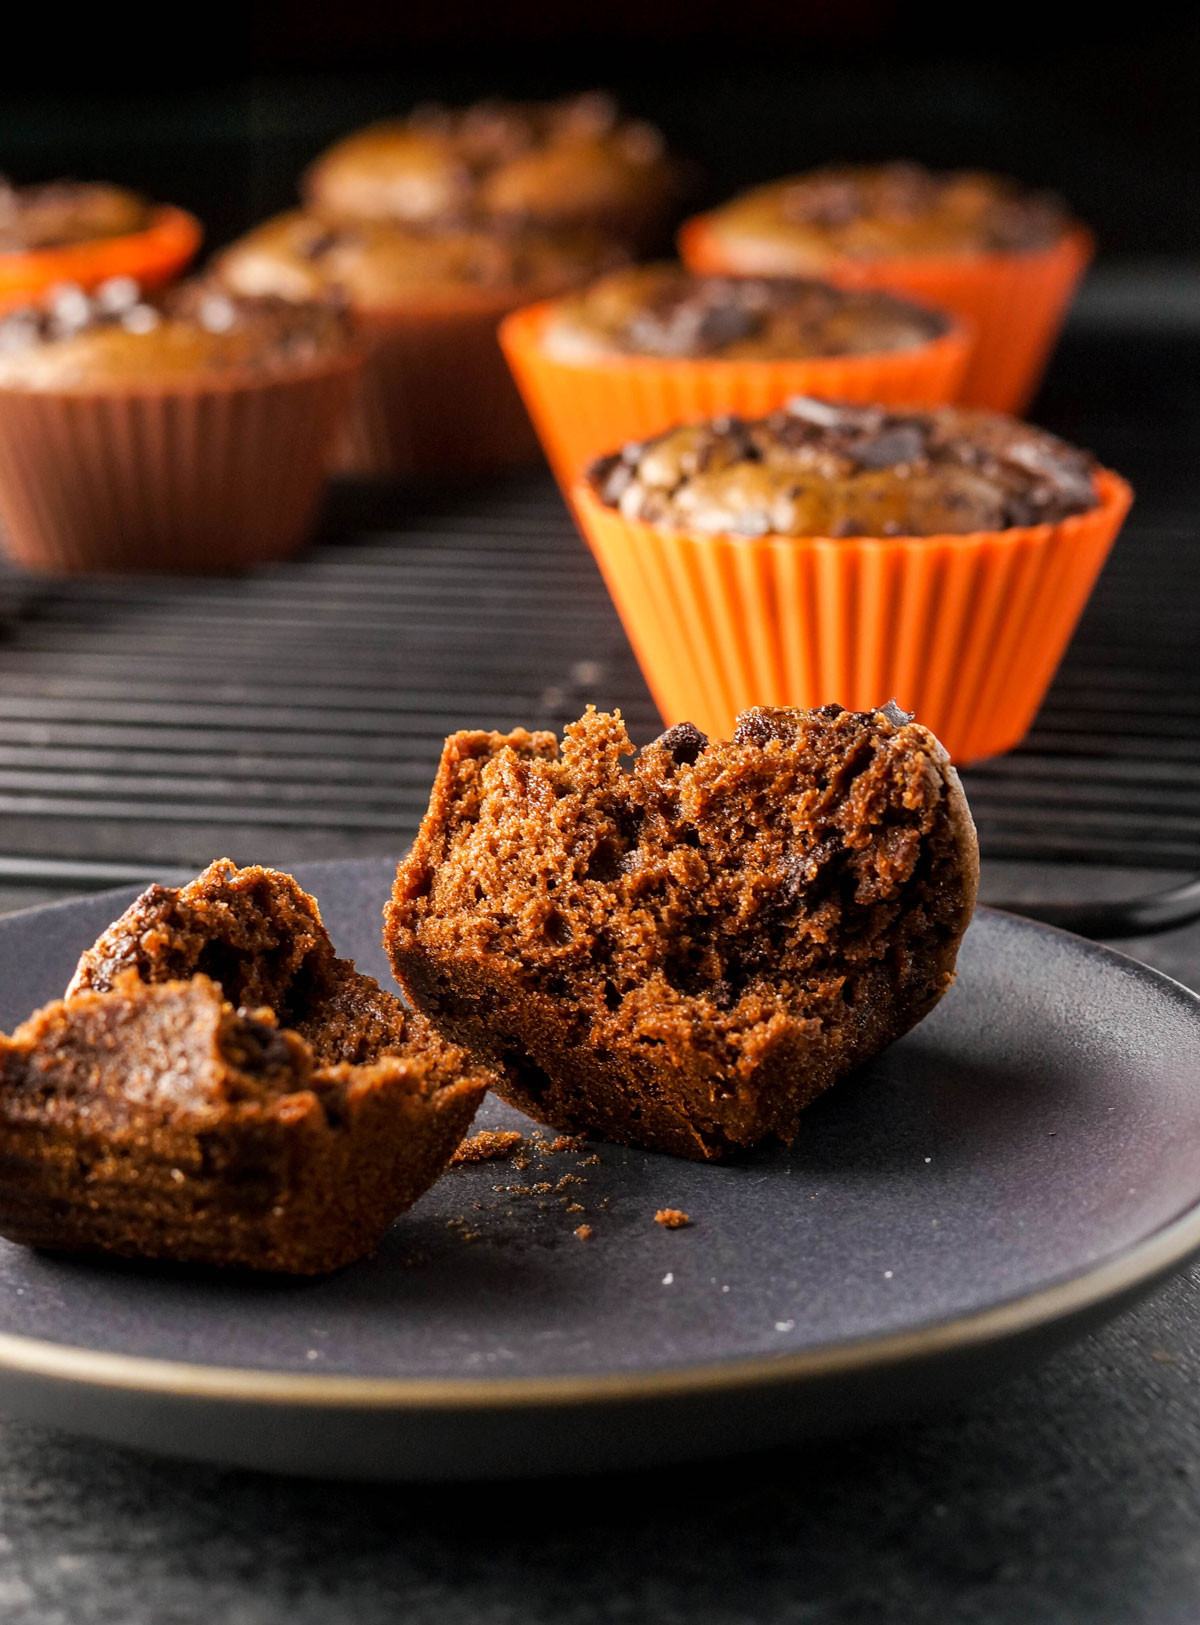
{"type": "Point", "coordinates": [904, 443]}
{"type": "Point", "coordinates": [897, 717]}
{"type": "Point", "coordinates": [763, 723]}
{"type": "Point", "coordinates": [684, 742]}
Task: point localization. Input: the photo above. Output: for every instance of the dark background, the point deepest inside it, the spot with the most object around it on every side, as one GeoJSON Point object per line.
{"type": "Point", "coordinates": [218, 108]}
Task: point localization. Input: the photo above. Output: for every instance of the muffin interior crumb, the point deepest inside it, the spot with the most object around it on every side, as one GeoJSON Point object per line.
{"type": "Point", "coordinates": [711, 903]}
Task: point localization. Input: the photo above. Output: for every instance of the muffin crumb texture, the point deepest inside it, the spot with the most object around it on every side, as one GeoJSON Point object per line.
{"type": "Point", "coordinates": [490, 1145]}
{"type": "Point", "coordinates": [684, 954]}
{"type": "Point", "coordinates": [672, 1218]}
{"type": "Point", "coordinates": [219, 1087]}
{"type": "Point", "coordinates": [827, 468]}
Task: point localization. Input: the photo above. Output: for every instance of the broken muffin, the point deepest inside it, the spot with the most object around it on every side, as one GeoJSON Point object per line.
{"type": "Point", "coordinates": [685, 954]}
{"type": "Point", "coordinates": [219, 1087]}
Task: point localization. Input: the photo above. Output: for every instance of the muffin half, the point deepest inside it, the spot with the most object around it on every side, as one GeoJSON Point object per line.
{"type": "Point", "coordinates": [684, 955]}
{"type": "Point", "coordinates": [219, 1087]}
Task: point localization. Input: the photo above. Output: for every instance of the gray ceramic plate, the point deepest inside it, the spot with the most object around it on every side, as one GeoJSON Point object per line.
{"type": "Point", "coordinates": [1009, 1174]}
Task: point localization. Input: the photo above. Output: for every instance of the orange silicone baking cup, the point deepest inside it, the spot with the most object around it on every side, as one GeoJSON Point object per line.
{"type": "Point", "coordinates": [583, 408]}
{"type": "Point", "coordinates": [1016, 303]}
{"type": "Point", "coordinates": [966, 631]}
{"type": "Point", "coordinates": [151, 257]}
{"type": "Point", "coordinates": [211, 475]}
{"type": "Point", "coordinates": [436, 396]}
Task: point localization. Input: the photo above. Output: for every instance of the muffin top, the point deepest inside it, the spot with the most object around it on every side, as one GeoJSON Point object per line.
{"type": "Point", "coordinates": [572, 160]}
{"type": "Point", "coordinates": [874, 212]}
{"type": "Point", "coordinates": [822, 468]}
{"type": "Point", "coordinates": [667, 311]}
{"type": "Point", "coordinates": [113, 336]}
{"type": "Point", "coordinates": [65, 212]}
{"type": "Point", "coordinates": [373, 263]}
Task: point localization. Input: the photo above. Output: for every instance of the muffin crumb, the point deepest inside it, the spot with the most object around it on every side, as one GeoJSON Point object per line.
{"type": "Point", "coordinates": [487, 1146]}
{"type": "Point", "coordinates": [672, 1218]}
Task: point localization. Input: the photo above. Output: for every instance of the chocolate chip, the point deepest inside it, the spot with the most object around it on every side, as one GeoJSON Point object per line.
{"type": "Point", "coordinates": [684, 742]}
{"type": "Point", "coordinates": [890, 447]}
{"type": "Point", "coordinates": [833, 709]}
{"type": "Point", "coordinates": [762, 724]}
{"type": "Point", "coordinates": [895, 715]}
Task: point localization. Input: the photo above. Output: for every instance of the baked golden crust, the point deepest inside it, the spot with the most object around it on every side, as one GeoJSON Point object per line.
{"type": "Point", "coordinates": [666, 311]}
{"type": "Point", "coordinates": [826, 468]}
{"type": "Point", "coordinates": [379, 264]}
{"type": "Point", "coordinates": [684, 955]}
{"type": "Point", "coordinates": [869, 212]}
{"type": "Point", "coordinates": [219, 1087]}
{"type": "Point", "coordinates": [66, 212]}
{"type": "Point", "coordinates": [555, 163]}
{"type": "Point", "coordinates": [73, 340]}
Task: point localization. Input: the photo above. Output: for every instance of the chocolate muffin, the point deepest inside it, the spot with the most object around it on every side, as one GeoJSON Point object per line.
{"type": "Point", "coordinates": [219, 1087]}
{"type": "Point", "coordinates": [806, 222]}
{"type": "Point", "coordinates": [669, 312]}
{"type": "Point", "coordinates": [63, 212]}
{"type": "Point", "coordinates": [75, 340]}
{"type": "Point", "coordinates": [684, 955]}
{"type": "Point", "coordinates": [559, 163]}
{"type": "Point", "coordinates": [383, 265]}
{"type": "Point", "coordinates": [823, 468]}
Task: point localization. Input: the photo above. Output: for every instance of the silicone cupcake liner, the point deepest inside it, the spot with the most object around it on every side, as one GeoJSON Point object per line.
{"type": "Point", "coordinates": [210, 477]}
{"type": "Point", "coordinates": [1016, 302]}
{"type": "Point", "coordinates": [436, 396]}
{"type": "Point", "coordinates": [966, 631]}
{"type": "Point", "coordinates": [583, 408]}
{"type": "Point", "coordinates": [151, 257]}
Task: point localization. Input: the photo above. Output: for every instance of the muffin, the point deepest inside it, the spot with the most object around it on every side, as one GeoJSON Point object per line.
{"type": "Point", "coordinates": [218, 1087]}
{"type": "Point", "coordinates": [436, 396]}
{"type": "Point", "coordinates": [685, 954]}
{"type": "Point", "coordinates": [1005, 259]}
{"type": "Point", "coordinates": [941, 556]}
{"type": "Point", "coordinates": [651, 345]}
{"type": "Point", "coordinates": [564, 163]}
{"type": "Point", "coordinates": [85, 233]}
{"type": "Point", "coordinates": [189, 433]}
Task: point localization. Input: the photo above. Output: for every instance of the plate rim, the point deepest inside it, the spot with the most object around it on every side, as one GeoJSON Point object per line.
{"type": "Point", "coordinates": [1138, 1265]}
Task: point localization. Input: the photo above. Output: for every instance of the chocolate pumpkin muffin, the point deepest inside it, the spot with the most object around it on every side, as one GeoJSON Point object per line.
{"type": "Point", "coordinates": [823, 468]}
{"type": "Point", "coordinates": [667, 311]}
{"type": "Point", "coordinates": [435, 396]}
{"type": "Point", "coordinates": [560, 163]}
{"type": "Point", "coordinates": [684, 955]}
{"type": "Point", "coordinates": [188, 432]}
{"type": "Point", "coordinates": [219, 1087]}
{"type": "Point", "coordinates": [807, 222]}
